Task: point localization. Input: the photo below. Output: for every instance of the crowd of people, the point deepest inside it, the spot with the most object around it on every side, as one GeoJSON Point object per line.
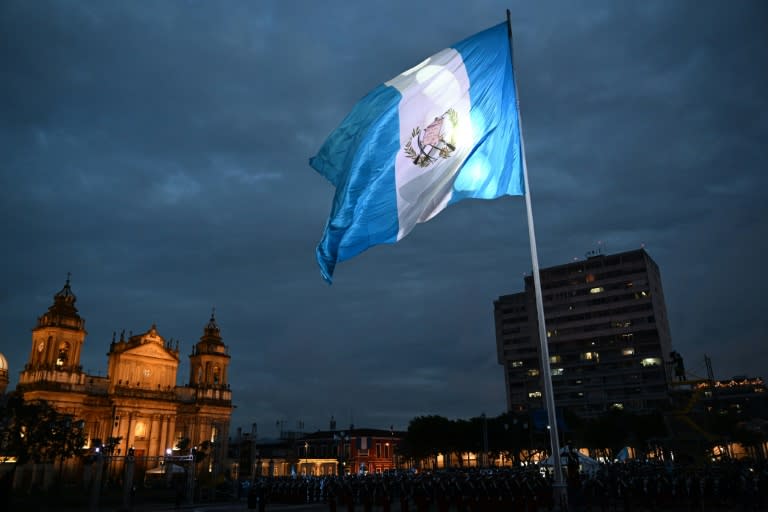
{"type": "Point", "coordinates": [627, 486]}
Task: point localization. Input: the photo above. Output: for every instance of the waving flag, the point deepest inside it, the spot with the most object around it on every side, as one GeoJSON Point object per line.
{"type": "Point", "coordinates": [442, 131]}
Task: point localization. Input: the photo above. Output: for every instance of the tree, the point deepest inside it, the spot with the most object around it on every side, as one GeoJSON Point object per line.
{"type": "Point", "coordinates": [428, 436]}
{"type": "Point", "coordinates": [607, 432]}
{"type": "Point", "coordinates": [35, 431]}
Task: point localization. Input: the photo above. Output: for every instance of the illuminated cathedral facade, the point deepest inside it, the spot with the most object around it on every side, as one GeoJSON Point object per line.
{"type": "Point", "coordinates": [138, 401]}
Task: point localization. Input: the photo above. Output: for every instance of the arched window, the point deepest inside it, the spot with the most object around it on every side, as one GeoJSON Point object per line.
{"type": "Point", "coordinates": [216, 375]}
{"type": "Point", "coordinates": [199, 374]}
{"type": "Point", "coordinates": [61, 360]}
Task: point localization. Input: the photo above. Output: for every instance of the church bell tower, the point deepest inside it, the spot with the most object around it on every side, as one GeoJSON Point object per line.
{"type": "Point", "coordinates": [57, 341]}
{"type": "Point", "coordinates": [209, 360]}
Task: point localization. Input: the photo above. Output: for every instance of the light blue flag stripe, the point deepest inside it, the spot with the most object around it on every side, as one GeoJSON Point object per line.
{"type": "Point", "coordinates": [494, 110]}
{"type": "Point", "coordinates": [359, 157]}
{"type": "Point", "coordinates": [364, 211]}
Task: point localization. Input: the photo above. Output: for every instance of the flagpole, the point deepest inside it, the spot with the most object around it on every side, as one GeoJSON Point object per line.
{"type": "Point", "coordinates": [558, 488]}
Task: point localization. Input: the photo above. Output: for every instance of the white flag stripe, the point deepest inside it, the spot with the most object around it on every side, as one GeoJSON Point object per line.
{"type": "Point", "coordinates": [428, 91]}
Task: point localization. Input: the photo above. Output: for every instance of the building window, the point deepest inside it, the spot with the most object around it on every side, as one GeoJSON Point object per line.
{"type": "Point", "coordinates": [140, 432]}
{"type": "Point", "coordinates": [590, 356]}
{"type": "Point", "coordinates": [597, 289]}
{"type": "Point", "coordinates": [517, 364]}
{"type": "Point", "coordinates": [557, 371]}
{"type": "Point", "coordinates": [555, 359]}
{"type": "Point", "coordinates": [617, 406]}
{"type": "Point", "coordinates": [533, 372]}
{"type": "Point", "coordinates": [378, 449]}
{"type": "Point", "coordinates": [61, 360]}
{"type": "Point", "coordinates": [534, 394]}
{"type": "Point", "coordinates": [628, 352]}
{"type": "Point", "coordinates": [651, 361]}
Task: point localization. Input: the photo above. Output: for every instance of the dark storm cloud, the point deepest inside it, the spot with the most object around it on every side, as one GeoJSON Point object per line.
{"type": "Point", "coordinates": [158, 150]}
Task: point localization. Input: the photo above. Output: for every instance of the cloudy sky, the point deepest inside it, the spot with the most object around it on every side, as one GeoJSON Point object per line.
{"type": "Point", "coordinates": [158, 151]}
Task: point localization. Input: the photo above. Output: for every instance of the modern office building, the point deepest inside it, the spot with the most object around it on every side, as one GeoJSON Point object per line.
{"type": "Point", "coordinates": [608, 336]}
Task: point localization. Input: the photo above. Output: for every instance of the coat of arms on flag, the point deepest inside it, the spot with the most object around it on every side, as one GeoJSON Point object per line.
{"type": "Point", "coordinates": [433, 142]}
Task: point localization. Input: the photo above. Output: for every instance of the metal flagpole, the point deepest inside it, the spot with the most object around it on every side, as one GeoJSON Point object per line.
{"type": "Point", "coordinates": [558, 491]}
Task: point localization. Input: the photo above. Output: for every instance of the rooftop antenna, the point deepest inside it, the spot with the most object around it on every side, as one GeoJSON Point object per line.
{"type": "Point", "coordinates": [598, 251]}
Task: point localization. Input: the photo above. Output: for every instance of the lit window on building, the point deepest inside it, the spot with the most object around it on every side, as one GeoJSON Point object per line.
{"type": "Point", "coordinates": [597, 289]}
{"type": "Point", "coordinates": [617, 406]}
{"type": "Point", "coordinates": [140, 432]}
{"type": "Point", "coordinates": [533, 372]}
{"type": "Point", "coordinates": [651, 361]}
{"type": "Point", "coordinates": [628, 352]}
{"type": "Point", "coordinates": [557, 371]}
{"type": "Point", "coordinates": [517, 364]}
{"type": "Point", "coordinates": [534, 394]}
{"type": "Point", "coordinates": [590, 356]}
{"type": "Point", "coordinates": [61, 360]}
{"type": "Point", "coordinates": [555, 359]}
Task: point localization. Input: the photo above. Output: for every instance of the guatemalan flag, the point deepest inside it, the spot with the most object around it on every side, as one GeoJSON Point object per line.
{"type": "Point", "coordinates": [442, 131]}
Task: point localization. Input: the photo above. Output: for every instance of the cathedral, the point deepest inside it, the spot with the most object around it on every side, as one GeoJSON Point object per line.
{"type": "Point", "coordinates": [138, 401]}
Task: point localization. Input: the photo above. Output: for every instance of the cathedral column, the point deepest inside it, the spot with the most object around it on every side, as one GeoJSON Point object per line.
{"type": "Point", "coordinates": [129, 435]}
{"type": "Point", "coordinates": [152, 418]}
{"type": "Point", "coordinates": [49, 358]}
{"type": "Point", "coordinates": [163, 424]}
{"type": "Point", "coordinates": [171, 438]}
{"type": "Point", "coordinates": [122, 430]}
{"type": "Point", "coordinates": [74, 357]}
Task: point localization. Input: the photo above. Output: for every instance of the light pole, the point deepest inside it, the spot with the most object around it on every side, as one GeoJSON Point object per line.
{"type": "Point", "coordinates": [342, 437]}
{"type": "Point", "coordinates": [484, 458]}
{"type": "Point", "coordinates": [96, 489]}
{"type": "Point", "coordinates": [167, 463]}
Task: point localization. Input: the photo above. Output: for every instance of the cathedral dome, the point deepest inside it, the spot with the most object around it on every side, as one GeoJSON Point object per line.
{"type": "Point", "coordinates": [3, 363]}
